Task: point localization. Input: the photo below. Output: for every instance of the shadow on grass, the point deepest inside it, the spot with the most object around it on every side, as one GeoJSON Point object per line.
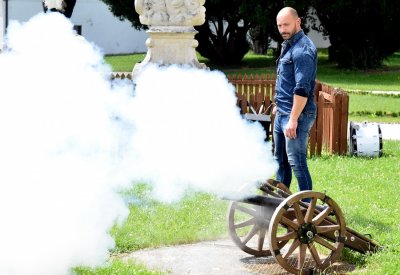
{"type": "Point", "coordinates": [365, 221]}
{"type": "Point", "coordinates": [350, 256]}
{"type": "Point", "coordinates": [360, 259]}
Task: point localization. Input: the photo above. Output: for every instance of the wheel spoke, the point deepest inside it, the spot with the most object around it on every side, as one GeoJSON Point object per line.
{"type": "Point", "coordinates": [289, 223]}
{"type": "Point", "coordinates": [325, 243]}
{"type": "Point", "coordinates": [271, 193]}
{"type": "Point", "coordinates": [284, 188]}
{"type": "Point", "coordinates": [292, 248]}
{"type": "Point", "coordinates": [299, 214]}
{"type": "Point", "coordinates": [327, 228]}
{"type": "Point", "coordinates": [301, 256]}
{"type": "Point", "coordinates": [245, 223]}
{"type": "Point", "coordinates": [322, 215]}
{"type": "Point", "coordinates": [261, 238]}
{"type": "Point", "coordinates": [315, 254]}
{"type": "Point", "coordinates": [310, 210]}
{"type": "Point", "coordinates": [287, 236]}
{"type": "Point", "coordinates": [249, 211]}
{"type": "Point", "coordinates": [308, 244]}
{"type": "Point", "coordinates": [251, 234]}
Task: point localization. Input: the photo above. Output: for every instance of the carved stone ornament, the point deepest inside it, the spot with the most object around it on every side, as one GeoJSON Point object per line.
{"type": "Point", "coordinates": [65, 7]}
{"type": "Point", "coordinates": [171, 12]}
{"type": "Point", "coordinates": [54, 5]}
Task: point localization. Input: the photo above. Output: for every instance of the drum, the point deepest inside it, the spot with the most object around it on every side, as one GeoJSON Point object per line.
{"type": "Point", "coordinates": [264, 120]}
{"type": "Point", "coordinates": [365, 139]}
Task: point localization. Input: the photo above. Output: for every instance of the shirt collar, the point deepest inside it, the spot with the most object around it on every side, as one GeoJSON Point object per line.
{"type": "Point", "coordinates": [294, 38]}
{"type": "Point", "coordinates": [287, 44]}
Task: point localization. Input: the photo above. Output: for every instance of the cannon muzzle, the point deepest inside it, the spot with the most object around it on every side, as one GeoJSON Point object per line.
{"type": "Point", "coordinates": [261, 200]}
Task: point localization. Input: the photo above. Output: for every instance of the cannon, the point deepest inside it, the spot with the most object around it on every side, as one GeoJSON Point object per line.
{"type": "Point", "coordinates": [305, 232]}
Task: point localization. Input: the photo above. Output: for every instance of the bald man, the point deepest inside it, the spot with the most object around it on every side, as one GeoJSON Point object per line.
{"type": "Point", "coordinates": [294, 97]}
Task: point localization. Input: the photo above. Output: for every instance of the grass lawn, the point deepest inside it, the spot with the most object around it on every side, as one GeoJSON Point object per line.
{"type": "Point", "coordinates": [196, 217]}
{"type": "Point", "coordinates": [366, 190]}
{"type": "Point", "coordinates": [124, 63]}
{"type": "Point", "coordinates": [378, 108]}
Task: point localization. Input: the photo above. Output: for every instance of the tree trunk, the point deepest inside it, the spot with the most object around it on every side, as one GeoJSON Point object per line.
{"type": "Point", "coordinates": [259, 39]}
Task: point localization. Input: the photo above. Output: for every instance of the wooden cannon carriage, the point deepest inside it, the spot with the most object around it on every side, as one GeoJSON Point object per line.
{"type": "Point", "coordinates": [279, 224]}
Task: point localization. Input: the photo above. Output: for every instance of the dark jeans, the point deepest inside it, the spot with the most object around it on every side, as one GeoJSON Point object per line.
{"type": "Point", "coordinates": [291, 154]}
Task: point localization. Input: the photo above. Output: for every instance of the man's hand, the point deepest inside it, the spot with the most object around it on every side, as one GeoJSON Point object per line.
{"type": "Point", "coordinates": [291, 128]}
{"type": "Point", "coordinates": [298, 105]}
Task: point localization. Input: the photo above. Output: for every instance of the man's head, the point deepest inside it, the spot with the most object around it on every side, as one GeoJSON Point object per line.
{"type": "Point", "coordinates": [288, 22]}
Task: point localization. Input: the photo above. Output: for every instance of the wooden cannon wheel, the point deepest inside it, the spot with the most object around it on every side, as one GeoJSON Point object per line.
{"type": "Point", "coordinates": [248, 223]}
{"type": "Point", "coordinates": [248, 226]}
{"type": "Point", "coordinates": [316, 230]}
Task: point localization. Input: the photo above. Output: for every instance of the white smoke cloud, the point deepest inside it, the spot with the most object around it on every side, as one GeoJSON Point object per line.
{"type": "Point", "coordinates": [70, 140]}
{"type": "Point", "coordinates": [190, 135]}
{"type": "Point", "coordinates": [60, 156]}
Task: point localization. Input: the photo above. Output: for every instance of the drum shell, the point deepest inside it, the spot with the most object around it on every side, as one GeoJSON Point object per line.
{"type": "Point", "coordinates": [365, 139]}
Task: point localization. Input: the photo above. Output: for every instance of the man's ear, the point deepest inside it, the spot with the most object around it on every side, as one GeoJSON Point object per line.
{"type": "Point", "coordinates": [298, 21]}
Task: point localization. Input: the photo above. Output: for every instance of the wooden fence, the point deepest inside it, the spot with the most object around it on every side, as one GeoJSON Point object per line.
{"type": "Point", "coordinates": [330, 129]}
{"type": "Point", "coordinates": [329, 132]}
{"type": "Point", "coordinates": [121, 75]}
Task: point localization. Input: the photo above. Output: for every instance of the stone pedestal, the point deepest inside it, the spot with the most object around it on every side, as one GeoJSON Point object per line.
{"type": "Point", "coordinates": [171, 32]}
{"type": "Point", "coordinates": [171, 45]}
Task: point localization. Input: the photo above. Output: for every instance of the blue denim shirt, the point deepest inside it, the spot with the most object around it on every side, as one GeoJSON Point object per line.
{"type": "Point", "coordinates": [296, 73]}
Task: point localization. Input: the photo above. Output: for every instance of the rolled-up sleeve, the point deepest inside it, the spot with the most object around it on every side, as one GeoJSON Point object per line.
{"type": "Point", "coordinates": [304, 60]}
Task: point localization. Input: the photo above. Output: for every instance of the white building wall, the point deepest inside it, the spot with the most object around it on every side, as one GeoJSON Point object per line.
{"type": "Point", "coordinates": [99, 25]}
{"type": "Point", "coordinates": [107, 31]}
{"type": "Point", "coordinates": [2, 22]}
{"type": "Point", "coordinates": [319, 40]}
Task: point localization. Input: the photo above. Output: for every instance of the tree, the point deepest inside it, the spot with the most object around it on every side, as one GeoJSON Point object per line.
{"type": "Point", "coordinates": [125, 9]}
{"type": "Point", "coordinates": [224, 37]}
{"type": "Point", "coordinates": [362, 33]}
{"type": "Point", "coordinates": [232, 24]}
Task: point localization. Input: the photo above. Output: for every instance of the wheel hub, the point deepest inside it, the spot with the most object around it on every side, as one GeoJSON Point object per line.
{"type": "Point", "coordinates": [306, 233]}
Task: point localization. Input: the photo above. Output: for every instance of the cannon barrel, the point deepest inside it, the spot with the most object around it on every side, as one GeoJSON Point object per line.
{"type": "Point", "coordinates": [273, 202]}
{"type": "Point", "coordinates": [262, 201]}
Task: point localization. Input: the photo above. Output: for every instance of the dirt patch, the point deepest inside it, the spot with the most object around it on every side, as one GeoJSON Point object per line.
{"type": "Point", "coordinates": [214, 257]}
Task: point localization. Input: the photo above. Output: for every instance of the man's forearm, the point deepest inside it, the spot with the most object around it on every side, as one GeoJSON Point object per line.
{"type": "Point", "coordinates": [298, 105]}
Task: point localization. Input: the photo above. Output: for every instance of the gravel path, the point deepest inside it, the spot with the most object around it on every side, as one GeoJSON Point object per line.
{"type": "Point", "coordinates": [390, 131]}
